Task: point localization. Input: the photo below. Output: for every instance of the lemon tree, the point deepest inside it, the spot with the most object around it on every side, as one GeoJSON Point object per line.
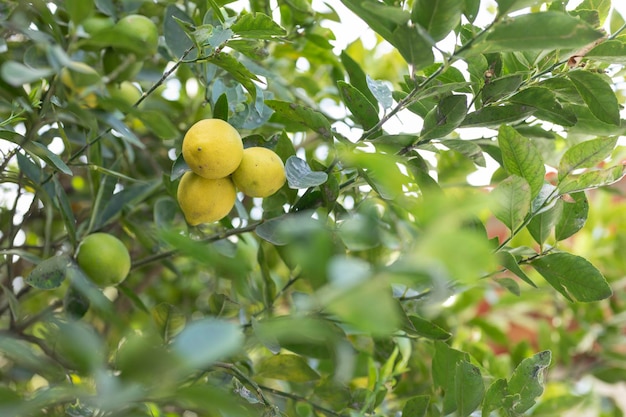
{"type": "Point", "coordinates": [242, 208]}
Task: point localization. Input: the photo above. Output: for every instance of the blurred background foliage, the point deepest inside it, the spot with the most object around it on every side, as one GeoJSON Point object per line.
{"type": "Point", "coordinates": [385, 278]}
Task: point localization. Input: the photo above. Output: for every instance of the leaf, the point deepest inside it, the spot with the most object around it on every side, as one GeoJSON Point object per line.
{"type": "Point", "coordinates": [586, 154]}
{"type": "Point", "coordinates": [445, 118]}
{"type": "Point", "coordinates": [300, 174]}
{"type": "Point", "coordinates": [494, 397]}
{"type": "Point", "coordinates": [521, 157]}
{"type": "Point", "coordinates": [18, 74]}
{"type": "Point", "coordinates": [413, 46]}
{"type": "Point", "coordinates": [220, 108]}
{"type": "Point", "coordinates": [302, 115]}
{"type": "Point", "coordinates": [381, 92]}
{"type": "Point", "coordinates": [469, 388]}
{"type": "Point", "coordinates": [444, 366]}
{"type": "Point", "coordinates": [508, 260]}
{"type": "Point", "coordinates": [500, 87]}
{"type": "Point", "coordinates": [591, 179]}
{"type": "Point", "coordinates": [468, 149]}
{"type": "Point", "coordinates": [573, 216]}
{"type": "Point", "coordinates": [257, 26]}
{"type": "Point", "coordinates": [548, 108]}
{"type": "Point", "coordinates": [597, 94]}
{"type": "Point", "coordinates": [235, 68]}
{"type": "Point", "coordinates": [494, 116]}
{"type": "Point", "coordinates": [527, 380]}
{"type": "Point", "coordinates": [512, 199]}
{"type": "Point", "coordinates": [609, 52]}
{"type": "Point", "coordinates": [175, 37]}
{"type": "Point", "coordinates": [361, 108]}
{"type": "Point", "coordinates": [50, 273]}
{"type": "Point", "coordinates": [416, 406]}
{"type": "Point", "coordinates": [508, 6]}
{"type": "Point", "coordinates": [573, 276]}
{"type": "Point", "coordinates": [158, 123]}
{"type": "Point", "coordinates": [540, 31]}
{"type": "Point", "coordinates": [292, 368]}
{"type": "Point", "coordinates": [426, 328]}
{"type": "Point", "coordinates": [206, 341]}
{"type": "Point", "coordinates": [168, 319]}
{"type": "Point", "coordinates": [78, 10]}
{"type": "Point", "coordinates": [358, 79]}
{"type": "Point", "coordinates": [540, 226]}
{"type": "Point", "coordinates": [438, 17]}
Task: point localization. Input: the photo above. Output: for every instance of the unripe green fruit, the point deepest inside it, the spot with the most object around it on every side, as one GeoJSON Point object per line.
{"type": "Point", "coordinates": [141, 29]}
{"type": "Point", "coordinates": [104, 258]}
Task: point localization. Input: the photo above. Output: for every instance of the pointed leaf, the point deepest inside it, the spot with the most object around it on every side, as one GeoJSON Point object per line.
{"type": "Point", "coordinates": [610, 52]}
{"type": "Point", "coordinates": [469, 388]}
{"type": "Point", "coordinates": [540, 226]}
{"type": "Point", "coordinates": [444, 365]}
{"type": "Point", "coordinates": [494, 397]}
{"type": "Point", "coordinates": [548, 108]}
{"type": "Point", "coordinates": [494, 116]}
{"type": "Point", "coordinates": [528, 380]}
{"type": "Point", "coordinates": [573, 216]}
{"type": "Point", "coordinates": [300, 174]}
{"type": "Point", "coordinates": [586, 154]}
{"type": "Point", "coordinates": [540, 31]}
{"type": "Point", "coordinates": [591, 179]}
{"type": "Point", "coordinates": [175, 37]}
{"type": "Point", "coordinates": [438, 17]}
{"type": "Point", "coordinates": [467, 148]}
{"type": "Point", "coordinates": [573, 276]}
{"type": "Point", "coordinates": [361, 108]}
{"type": "Point", "coordinates": [426, 328]}
{"type": "Point", "coordinates": [257, 26]}
{"type": "Point", "coordinates": [302, 115]}
{"type": "Point", "coordinates": [500, 87]}
{"type": "Point", "coordinates": [381, 91]}
{"type": "Point", "coordinates": [521, 158]}
{"type": "Point", "coordinates": [235, 68]}
{"type": "Point", "coordinates": [358, 79]}
{"type": "Point", "coordinates": [597, 94]}
{"type": "Point", "coordinates": [508, 261]}
{"type": "Point", "coordinates": [416, 406]}
{"type": "Point", "coordinates": [511, 201]}
{"type": "Point", "coordinates": [292, 368]}
{"type": "Point", "coordinates": [445, 118]}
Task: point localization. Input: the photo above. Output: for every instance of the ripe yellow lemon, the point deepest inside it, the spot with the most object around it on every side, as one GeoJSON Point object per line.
{"type": "Point", "coordinates": [104, 258]}
{"type": "Point", "coordinates": [261, 172]}
{"type": "Point", "coordinates": [212, 148]}
{"type": "Point", "coordinates": [204, 200]}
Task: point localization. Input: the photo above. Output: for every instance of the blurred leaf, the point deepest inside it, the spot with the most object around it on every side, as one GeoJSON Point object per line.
{"type": "Point", "coordinates": [494, 397]}
{"type": "Point", "coordinates": [205, 341]}
{"type": "Point", "coordinates": [75, 304]}
{"type": "Point", "coordinates": [257, 26]}
{"type": "Point", "coordinates": [521, 158]}
{"type": "Point", "coordinates": [50, 273]}
{"type": "Point", "coordinates": [444, 365]}
{"type": "Point", "coordinates": [175, 37]}
{"type": "Point", "coordinates": [469, 149]}
{"type": "Point", "coordinates": [597, 94]}
{"type": "Point", "coordinates": [527, 381]}
{"type": "Point", "coordinates": [416, 406]}
{"type": "Point", "coordinates": [285, 367]}
{"type": "Point", "coordinates": [79, 344]}
{"type": "Point", "coordinates": [361, 108]}
{"type": "Point", "coordinates": [123, 199]}
{"type": "Point", "coordinates": [169, 320]}
{"type": "Point", "coordinates": [508, 6]}
{"type": "Point", "coordinates": [300, 175]}
{"type": "Point", "coordinates": [591, 179]}
{"type": "Point", "coordinates": [438, 17]}
{"type": "Point", "coordinates": [302, 115]}
{"type": "Point", "coordinates": [494, 116]}
{"type": "Point", "coordinates": [573, 216]}
{"type": "Point", "coordinates": [18, 74]}
{"type": "Point", "coordinates": [540, 31]}
{"type": "Point", "coordinates": [381, 91]}
{"type": "Point", "coordinates": [51, 158]}
{"type": "Point", "coordinates": [469, 388]}
{"type": "Point", "coordinates": [158, 123]}
{"type": "Point", "coordinates": [609, 51]}
{"type": "Point", "coordinates": [573, 276]}
{"type": "Point", "coordinates": [445, 118]}
{"type": "Point", "coordinates": [511, 201]}
{"type": "Point", "coordinates": [586, 154]}
{"type": "Point", "coordinates": [78, 10]}
{"type": "Point", "coordinates": [427, 329]}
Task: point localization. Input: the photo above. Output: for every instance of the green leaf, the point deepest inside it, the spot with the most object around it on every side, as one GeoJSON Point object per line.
{"type": "Point", "coordinates": [548, 108]}
{"type": "Point", "coordinates": [494, 397]}
{"type": "Point", "coordinates": [508, 260]}
{"type": "Point", "coordinates": [469, 388]}
{"type": "Point", "coordinates": [597, 94]}
{"type": "Point", "coordinates": [302, 115]}
{"type": "Point", "coordinates": [512, 199]}
{"type": "Point", "coordinates": [540, 226]}
{"type": "Point", "coordinates": [494, 116]}
{"type": "Point", "coordinates": [175, 37]}
{"type": "Point", "coordinates": [358, 79]}
{"type": "Point", "coordinates": [79, 344]}
{"type": "Point", "coordinates": [426, 328]}
{"type": "Point", "coordinates": [573, 276]}
{"type": "Point", "coordinates": [500, 88]}
{"type": "Point", "coordinates": [18, 74]}
{"type": "Point", "coordinates": [50, 273]}
{"type": "Point", "coordinates": [381, 92]}
{"type": "Point", "coordinates": [78, 10]}
{"type": "Point", "coordinates": [467, 148]}
{"type": "Point", "coordinates": [292, 368]}
{"type": "Point", "coordinates": [438, 17]}
{"type": "Point", "coordinates": [416, 406]}
{"type": "Point", "coordinates": [179, 167]}
{"type": "Point", "coordinates": [361, 108]}
{"type": "Point", "coordinates": [521, 157]}
{"type": "Point", "coordinates": [540, 31]}
{"type": "Point", "coordinates": [609, 52]}
{"type": "Point", "coordinates": [168, 319]}
{"type": "Point", "coordinates": [444, 366]}
{"type": "Point", "coordinates": [413, 46]}
{"type": "Point", "coordinates": [586, 154]}
{"type": "Point", "coordinates": [508, 6]}
{"type": "Point", "coordinates": [158, 123]}
{"type": "Point", "coordinates": [235, 68]}
{"type": "Point", "coordinates": [206, 341]}
{"type": "Point", "coordinates": [573, 216]}
{"type": "Point", "coordinates": [300, 174]}
{"type": "Point", "coordinates": [591, 179]}
{"type": "Point", "coordinates": [445, 118]}
{"type": "Point", "coordinates": [257, 26]}
{"type": "Point", "coordinates": [527, 380]}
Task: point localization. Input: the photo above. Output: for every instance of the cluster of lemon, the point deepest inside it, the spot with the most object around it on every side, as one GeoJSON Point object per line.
{"type": "Point", "coordinates": [219, 164]}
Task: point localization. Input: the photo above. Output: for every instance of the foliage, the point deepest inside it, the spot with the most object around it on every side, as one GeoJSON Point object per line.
{"type": "Point", "coordinates": [380, 280]}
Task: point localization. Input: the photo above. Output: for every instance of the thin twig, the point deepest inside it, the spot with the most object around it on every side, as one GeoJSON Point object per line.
{"type": "Point", "coordinates": [232, 368]}
{"type": "Point", "coordinates": [301, 399]}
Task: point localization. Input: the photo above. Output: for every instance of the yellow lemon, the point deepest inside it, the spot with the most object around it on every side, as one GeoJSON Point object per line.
{"type": "Point", "coordinates": [204, 200]}
{"type": "Point", "coordinates": [261, 172]}
{"type": "Point", "coordinates": [104, 258]}
{"type": "Point", "coordinates": [212, 148]}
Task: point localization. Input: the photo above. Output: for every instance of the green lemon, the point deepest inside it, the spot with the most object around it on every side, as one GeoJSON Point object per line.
{"type": "Point", "coordinates": [104, 258]}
